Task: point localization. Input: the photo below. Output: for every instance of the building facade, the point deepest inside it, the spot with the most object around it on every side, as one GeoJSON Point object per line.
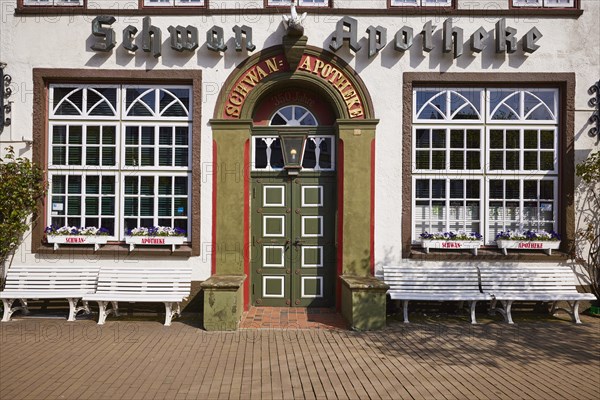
{"type": "Point", "coordinates": [299, 153]}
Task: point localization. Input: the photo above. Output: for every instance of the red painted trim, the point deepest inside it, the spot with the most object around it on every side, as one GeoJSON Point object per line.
{"type": "Point", "coordinates": [213, 255]}
{"type": "Point", "coordinates": [340, 227]}
{"type": "Point", "coordinates": [372, 232]}
{"type": "Point", "coordinates": [247, 224]}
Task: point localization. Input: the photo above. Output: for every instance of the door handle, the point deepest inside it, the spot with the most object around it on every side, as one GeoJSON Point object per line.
{"type": "Point", "coordinates": [298, 242]}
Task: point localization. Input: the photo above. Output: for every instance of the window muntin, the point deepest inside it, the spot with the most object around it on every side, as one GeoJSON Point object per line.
{"type": "Point", "coordinates": [148, 102]}
{"type": "Point", "coordinates": [434, 105]}
{"type": "Point", "coordinates": [300, 3]}
{"type": "Point", "coordinates": [83, 200]}
{"type": "Point", "coordinates": [173, 3]}
{"type": "Point", "coordinates": [507, 166]}
{"type": "Point", "coordinates": [156, 200]}
{"type": "Point", "coordinates": [105, 138]}
{"type": "Point", "coordinates": [158, 145]}
{"type": "Point", "coordinates": [59, 3]}
{"type": "Point", "coordinates": [521, 203]}
{"type": "Point", "coordinates": [423, 3]}
{"type": "Point", "coordinates": [544, 3]}
{"type": "Point", "coordinates": [443, 204]}
{"type": "Point", "coordinates": [522, 106]}
{"type": "Point", "coordinates": [293, 116]}
{"type": "Point", "coordinates": [445, 149]}
{"type": "Point", "coordinates": [319, 153]}
{"type": "Point", "coordinates": [84, 102]}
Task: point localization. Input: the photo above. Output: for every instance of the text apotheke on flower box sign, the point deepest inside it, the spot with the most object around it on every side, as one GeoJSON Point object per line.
{"type": "Point", "coordinates": [153, 241]}
{"type": "Point", "coordinates": [530, 245]}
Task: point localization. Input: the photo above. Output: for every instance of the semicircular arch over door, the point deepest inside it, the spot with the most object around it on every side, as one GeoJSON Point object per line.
{"type": "Point", "coordinates": [330, 201]}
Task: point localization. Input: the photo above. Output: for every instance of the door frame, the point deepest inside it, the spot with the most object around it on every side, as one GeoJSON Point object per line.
{"type": "Point", "coordinates": [283, 174]}
{"type": "Point", "coordinates": [231, 166]}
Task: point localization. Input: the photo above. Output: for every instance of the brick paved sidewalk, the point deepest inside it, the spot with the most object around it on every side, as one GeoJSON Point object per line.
{"type": "Point", "coordinates": [431, 359]}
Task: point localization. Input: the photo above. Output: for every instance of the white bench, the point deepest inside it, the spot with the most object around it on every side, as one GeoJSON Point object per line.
{"type": "Point", "coordinates": [69, 282]}
{"type": "Point", "coordinates": [456, 283]}
{"type": "Point", "coordinates": [168, 285]}
{"type": "Point", "coordinates": [508, 284]}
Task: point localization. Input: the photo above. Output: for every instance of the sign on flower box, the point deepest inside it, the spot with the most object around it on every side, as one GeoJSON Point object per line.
{"type": "Point", "coordinates": [71, 235]}
{"type": "Point", "coordinates": [155, 236]}
{"type": "Point", "coordinates": [451, 241]}
{"type": "Point", "coordinates": [528, 240]}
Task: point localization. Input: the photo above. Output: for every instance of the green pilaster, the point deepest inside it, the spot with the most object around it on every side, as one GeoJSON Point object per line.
{"type": "Point", "coordinates": [230, 138]}
{"type": "Point", "coordinates": [223, 293]}
{"type": "Point", "coordinates": [363, 296]}
{"type": "Point", "coordinates": [356, 137]}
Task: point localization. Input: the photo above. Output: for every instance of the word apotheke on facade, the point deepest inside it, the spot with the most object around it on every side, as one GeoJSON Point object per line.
{"type": "Point", "coordinates": [187, 39]}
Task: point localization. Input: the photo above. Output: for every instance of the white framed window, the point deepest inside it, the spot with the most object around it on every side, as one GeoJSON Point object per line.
{"type": "Point", "coordinates": [57, 3]}
{"type": "Point", "coordinates": [319, 153]}
{"type": "Point", "coordinates": [119, 156]}
{"type": "Point", "coordinates": [544, 3]}
{"type": "Point", "coordinates": [422, 3]}
{"type": "Point", "coordinates": [300, 3]}
{"type": "Point", "coordinates": [484, 160]}
{"type": "Point", "coordinates": [173, 3]}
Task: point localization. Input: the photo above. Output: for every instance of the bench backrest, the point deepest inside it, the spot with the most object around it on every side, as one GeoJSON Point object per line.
{"type": "Point", "coordinates": [146, 280]}
{"type": "Point", "coordinates": [530, 279]}
{"type": "Point", "coordinates": [432, 279]}
{"type": "Point", "coordinates": [36, 278]}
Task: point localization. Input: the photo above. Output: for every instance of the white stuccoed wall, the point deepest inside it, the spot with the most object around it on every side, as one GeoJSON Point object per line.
{"type": "Point", "coordinates": [569, 45]}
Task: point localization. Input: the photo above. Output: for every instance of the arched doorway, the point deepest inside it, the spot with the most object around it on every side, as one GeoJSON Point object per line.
{"type": "Point", "coordinates": [293, 212]}
{"type": "Point", "coordinates": [257, 106]}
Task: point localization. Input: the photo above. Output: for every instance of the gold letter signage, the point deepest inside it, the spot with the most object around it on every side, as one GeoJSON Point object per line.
{"type": "Point", "coordinates": [324, 70]}
{"type": "Point", "coordinates": [248, 81]}
{"type": "Point", "coordinates": [336, 78]}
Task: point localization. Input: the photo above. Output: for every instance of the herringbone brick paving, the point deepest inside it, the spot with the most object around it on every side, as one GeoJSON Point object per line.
{"type": "Point", "coordinates": [539, 358]}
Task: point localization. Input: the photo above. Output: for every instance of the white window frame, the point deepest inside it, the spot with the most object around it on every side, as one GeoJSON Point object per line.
{"type": "Point", "coordinates": [269, 168]}
{"type": "Point", "coordinates": [86, 114]}
{"type": "Point", "coordinates": [521, 150]}
{"type": "Point", "coordinates": [120, 171]}
{"type": "Point", "coordinates": [522, 120]}
{"type": "Point", "coordinates": [155, 196]}
{"type": "Point", "coordinates": [448, 149]}
{"type": "Point", "coordinates": [174, 3]}
{"type": "Point", "coordinates": [543, 3]}
{"type": "Point", "coordinates": [520, 222]}
{"type": "Point", "coordinates": [299, 3]}
{"type": "Point", "coordinates": [421, 3]}
{"type": "Point", "coordinates": [485, 174]}
{"type": "Point", "coordinates": [56, 3]}
{"type": "Point", "coordinates": [156, 146]}
{"type": "Point", "coordinates": [52, 173]}
{"type": "Point", "coordinates": [126, 117]}
{"type": "Point", "coordinates": [84, 126]}
{"type": "Point", "coordinates": [446, 220]}
{"type": "Point", "coordinates": [448, 101]}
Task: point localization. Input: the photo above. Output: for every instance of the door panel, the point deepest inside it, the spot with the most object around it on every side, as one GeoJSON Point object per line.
{"type": "Point", "coordinates": [293, 241]}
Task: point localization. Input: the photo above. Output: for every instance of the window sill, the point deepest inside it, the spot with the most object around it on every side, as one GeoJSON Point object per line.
{"type": "Point", "coordinates": [486, 254]}
{"type": "Point", "coordinates": [122, 250]}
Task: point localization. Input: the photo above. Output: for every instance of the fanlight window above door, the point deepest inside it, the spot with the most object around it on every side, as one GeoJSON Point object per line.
{"type": "Point", "coordinates": [293, 116]}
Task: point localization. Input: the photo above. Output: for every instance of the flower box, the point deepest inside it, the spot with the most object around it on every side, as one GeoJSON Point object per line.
{"type": "Point", "coordinates": [472, 245]}
{"type": "Point", "coordinates": [95, 240]}
{"type": "Point", "coordinates": [172, 241]}
{"type": "Point", "coordinates": [545, 245]}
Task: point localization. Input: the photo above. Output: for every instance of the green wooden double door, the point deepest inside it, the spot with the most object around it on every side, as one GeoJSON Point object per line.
{"type": "Point", "coordinates": [293, 245]}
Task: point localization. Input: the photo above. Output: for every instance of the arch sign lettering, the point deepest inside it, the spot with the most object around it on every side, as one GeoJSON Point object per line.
{"type": "Point", "coordinates": [324, 70]}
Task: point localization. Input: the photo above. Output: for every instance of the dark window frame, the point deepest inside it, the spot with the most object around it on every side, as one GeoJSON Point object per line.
{"type": "Point", "coordinates": [565, 83]}
{"type": "Point", "coordinates": [576, 6]}
{"type": "Point", "coordinates": [43, 77]}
